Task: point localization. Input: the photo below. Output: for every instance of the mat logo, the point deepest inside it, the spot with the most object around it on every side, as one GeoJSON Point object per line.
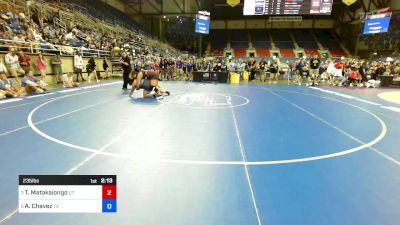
{"type": "Point", "coordinates": [202, 100]}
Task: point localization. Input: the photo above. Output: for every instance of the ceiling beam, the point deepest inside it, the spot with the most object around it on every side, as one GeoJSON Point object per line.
{"type": "Point", "coordinates": [179, 7]}
{"type": "Point", "coordinates": [197, 4]}
{"type": "Point", "coordinates": [350, 14]}
{"type": "Point", "coordinates": [154, 6]}
{"type": "Point", "coordinates": [135, 10]}
{"type": "Point", "coordinates": [363, 6]}
{"type": "Point", "coordinates": [375, 4]}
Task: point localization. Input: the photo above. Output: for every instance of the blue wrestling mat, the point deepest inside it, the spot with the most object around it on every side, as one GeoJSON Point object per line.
{"type": "Point", "coordinates": [211, 154]}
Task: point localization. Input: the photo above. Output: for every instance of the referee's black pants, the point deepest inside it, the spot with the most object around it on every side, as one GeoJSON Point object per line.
{"type": "Point", "coordinates": [126, 79]}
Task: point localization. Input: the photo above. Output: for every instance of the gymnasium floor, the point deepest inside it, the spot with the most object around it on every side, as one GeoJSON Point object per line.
{"type": "Point", "coordinates": [212, 154]}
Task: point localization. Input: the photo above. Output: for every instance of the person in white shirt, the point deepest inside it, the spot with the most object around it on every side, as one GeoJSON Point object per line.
{"type": "Point", "coordinates": [331, 70]}
{"type": "Point", "coordinates": [3, 67]}
{"type": "Point", "coordinates": [20, 39]}
{"type": "Point", "coordinates": [37, 36]}
{"type": "Point", "coordinates": [78, 65]}
{"type": "Point", "coordinates": [68, 82]}
{"type": "Point", "coordinates": [70, 36]}
{"type": "Point", "coordinates": [13, 67]}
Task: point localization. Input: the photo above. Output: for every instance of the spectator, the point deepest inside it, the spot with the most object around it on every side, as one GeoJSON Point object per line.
{"type": "Point", "coordinates": [91, 69]}
{"type": "Point", "coordinates": [24, 61]}
{"type": "Point", "coordinates": [70, 37]}
{"type": "Point", "coordinates": [78, 66]}
{"type": "Point", "coordinates": [37, 36]}
{"type": "Point", "coordinates": [33, 84]}
{"type": "Point", "coordinates": [299, 69]}
{"type": "Point", "coordinates": [253, 69]}
{"type": "Point", "coordinates": [330, 70]}
{"type": "Point", "coordinates": [262, 65]}
{"type": "Point", "coordinates": [106, 69]}
{"type": "Point", "coordinates": [3, 67]}
{"type": "Point", "coordinates": [274, 69]}
{"type": "Point", "coordinates": [315, 63]}
{"type": "Point", "coordinates": [126, 66]}
{"type": "Point", "coordinates": [6, 85]}
{"type": "Point", "coordinates": [57, 69]}
{"type": "Point", "coordinates": [8, 35]}
{"type": "Point", "coordinates": [13, 66]}
{"type": "Point", "coordinates": [20, 39]}
{"type": "Point", "coordinates": [338, 78]}
{"type": "Point", "coordinates": [41, 66]}
{"type": "Point", "coordinates": [354, 75]}
{"type": "Point", "coordinates": [363, 72]}
{"type": "Point", "coordinates": [68, 81]}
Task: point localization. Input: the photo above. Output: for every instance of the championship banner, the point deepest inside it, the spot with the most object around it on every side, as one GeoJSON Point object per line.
{"type": "Point", "coordinates": [349, 2]}
{"type": "Point", "coordinates": [232, 3]}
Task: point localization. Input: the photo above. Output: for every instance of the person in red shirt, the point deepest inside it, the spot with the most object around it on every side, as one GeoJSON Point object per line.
{"type": "Point", "coordinates": [24, 61]}
{"type": "Point", "coordinates": [41, 66]}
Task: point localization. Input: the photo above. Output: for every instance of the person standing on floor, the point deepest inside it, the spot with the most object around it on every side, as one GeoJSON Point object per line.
{"type": "Point", "coordinates": [91, 69]}
{"type": "Point", "coordinates": [78, 65]}
{"type": "Point", "coordinates": [253, 69]}
{"type": "Point", "coordinates": [126, 67]}
{"type": "Point", "coordinates": [13, 67]}
{"type": "Point", "coordinates": [41, 65]}
{"type": "Point", "coordinates": [106, 69]}
{"type": "Point", "coordinates": [274, 70]}
{"type": "Point", "coordinates": [315, 63]}
{"type": "Point", "coordinates": [262, 66]}
{"type": "Point", "coordinates": [57, 70]}
{"type": "Point", "coordinates": [24, 61]}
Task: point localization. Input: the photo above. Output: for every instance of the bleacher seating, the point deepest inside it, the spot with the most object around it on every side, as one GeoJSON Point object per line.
{"type": "Point", "coordinates": [284, 44]}
{"type": "Point", "coordinates": [94, 36]}
{"type": "Point", "coordinates": [239, 39]}
{"type": "Point", "coordinates": [180, 34]}
{"type": "Point", "coordinates": [240, 52]}
{"type": "Point", "coordinates": [337, 52]}
{"type": "Point", "coordinates": [304, 39]}
{"type": "Point", "coordinates": [281, 35]}
{"type": "Point", "coordinates": [327, 39]}
{"type": "Point", "coordinates": [262, 52]}
{"type": "Point", "coordinates": [262, 45]}
{"type": "Point", "coordinates": [103, 11]}
{"type": "Point", "coordinates": [260, 39]}
{"type": "Point", "coordinates": [311, 52]}
{"type": "Point", "coordinates": [218, 39]}
{"type": "Point", "coordinates": [282, 39]}
{"type": "Point", "coordinates": [329, 42]}
{"type": "Point", "coordinates": [240, 44]}
{"type": "Point", "coordinates": [287, 53]}
{"type": "Point", "coordinates": [217, 52]}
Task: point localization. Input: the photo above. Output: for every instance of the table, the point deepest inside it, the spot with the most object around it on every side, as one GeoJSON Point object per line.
{"type": "Point", "coordinates": [204, 76]}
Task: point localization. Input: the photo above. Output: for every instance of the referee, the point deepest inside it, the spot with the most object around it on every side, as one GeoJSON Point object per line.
{"type": "Point", "coordinates": [126, 67]}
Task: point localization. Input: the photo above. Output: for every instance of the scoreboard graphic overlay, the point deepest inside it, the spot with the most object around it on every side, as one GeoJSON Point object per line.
{"type": "Point", "coordinates": [67, 193]}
